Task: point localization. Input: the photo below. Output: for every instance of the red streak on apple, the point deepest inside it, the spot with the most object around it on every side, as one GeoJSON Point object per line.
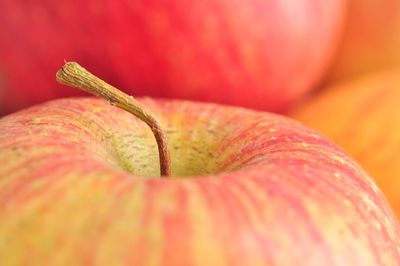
{"type": "Point", "coordinates": [79, 185]}
{"type": "Point", "coordinates": [266, 54]}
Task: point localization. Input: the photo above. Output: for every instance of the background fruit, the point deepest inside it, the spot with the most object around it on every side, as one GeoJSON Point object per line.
{"type": "Point", "coordinates": [255, 53]}
{"type": "Point", "coordinates": [249, 192]}
{"type": "Point", "coordinates": [363, 117]}
{"type": "Point", "coordinates": [371, 39]}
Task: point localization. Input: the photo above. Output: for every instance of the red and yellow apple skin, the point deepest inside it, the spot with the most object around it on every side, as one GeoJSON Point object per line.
{"type": "Point", "coordinates": [363, 117]}
{"type": "Point", "coordinates": [371, 39]}
{"type": "Point", "coordinates": [253, 53]}
{"type": "Point", "coordinates": [248, 188]}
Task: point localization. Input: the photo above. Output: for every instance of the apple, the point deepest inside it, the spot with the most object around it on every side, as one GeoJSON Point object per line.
{"type": "Point", "coordinates": [371, 39]}
{"type": "Point", "coordinates": [228, 51]}
{"type": "Point", "coordinates": [363, 117]}
{"type": "Point", "coordinates": [80, 185]}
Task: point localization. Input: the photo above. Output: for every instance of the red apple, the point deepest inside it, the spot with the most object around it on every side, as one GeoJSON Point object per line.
{"type": "Point", "coordinates": [363, 117]}
{"type": "Point", "coordinates": [79, 186]}
{"type": "Point", "coordinates": [254, 53]}
{"type": "Point", "coordinates": [371, 39]}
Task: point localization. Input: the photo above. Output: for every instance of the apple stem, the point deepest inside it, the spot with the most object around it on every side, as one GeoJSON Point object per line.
{"type": "Point", "coordinates": [72, 74]}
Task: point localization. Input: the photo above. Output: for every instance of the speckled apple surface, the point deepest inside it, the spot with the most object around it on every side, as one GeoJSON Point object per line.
{"type": "Point", "coordinates": [265, 53]}
{"type": "Point", "coordinates": [363, 117]}
{"type": "Point", "coordinates": [79, 186]}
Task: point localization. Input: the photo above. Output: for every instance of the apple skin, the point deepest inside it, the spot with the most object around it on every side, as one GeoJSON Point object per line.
{"type": "Point", "coordinates": [371, 39]}
{"type": "Point", "coordinates": [249, 188]}
{"type": "Point", "coordinates": [197, 50]}
{"type": "Point", "coordinates": [363, 117]}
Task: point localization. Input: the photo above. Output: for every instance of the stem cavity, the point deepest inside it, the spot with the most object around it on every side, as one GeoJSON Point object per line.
{"type": "Point", "coordinates": [72, 74]}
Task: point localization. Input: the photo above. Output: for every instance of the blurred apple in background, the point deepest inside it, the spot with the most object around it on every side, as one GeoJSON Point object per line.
{"type": "Point", "coordinates": [253, 53]}
{"type": "Point", "coordinates": [363, 116]}
{"type": "Point", "coordinates": [371, 38]}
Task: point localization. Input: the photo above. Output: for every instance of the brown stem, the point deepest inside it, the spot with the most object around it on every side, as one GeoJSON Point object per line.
{"type": "Point", "coordinates": [74, 75]}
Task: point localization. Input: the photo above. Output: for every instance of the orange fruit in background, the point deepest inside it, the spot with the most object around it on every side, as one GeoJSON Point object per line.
{"type": "Point", "coordinates": [371, 38]}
